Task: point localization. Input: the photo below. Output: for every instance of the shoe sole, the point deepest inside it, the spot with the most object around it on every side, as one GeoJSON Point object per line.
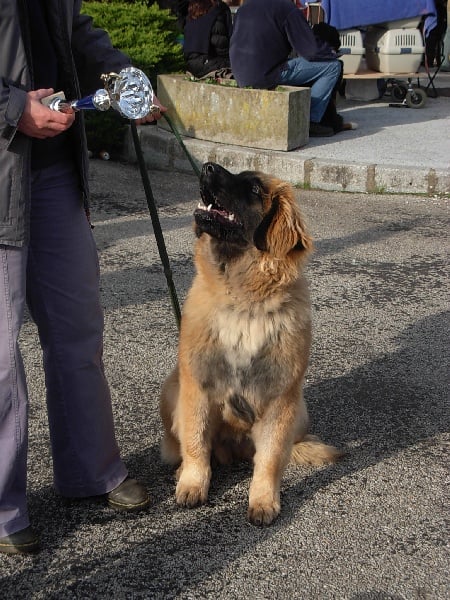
{"type": "Point", "coordinates": [31, 548]}
{"type": "Point", "coordinates": [128, 507]}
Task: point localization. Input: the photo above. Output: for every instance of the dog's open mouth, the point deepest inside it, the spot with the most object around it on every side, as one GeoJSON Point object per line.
{"type": "Point", "coordinates": [209, 210]}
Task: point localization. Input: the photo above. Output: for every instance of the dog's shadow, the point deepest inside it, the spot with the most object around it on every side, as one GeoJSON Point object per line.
{"type": "Point", "coordinates": [383, 407]}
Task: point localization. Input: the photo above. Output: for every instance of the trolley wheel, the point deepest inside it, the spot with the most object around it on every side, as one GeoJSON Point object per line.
{"type": "Point", "coordinates": [416, 98]}
{"type": "Point", "coordinates": [398, 93]}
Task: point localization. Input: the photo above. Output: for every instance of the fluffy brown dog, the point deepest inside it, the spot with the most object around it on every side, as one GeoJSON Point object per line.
{"type": "Point", "coordinates": [244, 344]}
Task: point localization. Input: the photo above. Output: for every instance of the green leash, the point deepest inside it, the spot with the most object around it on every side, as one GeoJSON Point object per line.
{"type": "Point", "coordinates": [180, 141]}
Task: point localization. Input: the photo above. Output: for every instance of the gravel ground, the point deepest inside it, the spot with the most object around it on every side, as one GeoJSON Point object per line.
{"type": "Point", "coordinates": [369, 528]}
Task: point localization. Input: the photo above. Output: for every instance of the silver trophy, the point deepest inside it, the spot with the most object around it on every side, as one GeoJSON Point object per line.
{"type": "Point", "coordinates": [129, 92]}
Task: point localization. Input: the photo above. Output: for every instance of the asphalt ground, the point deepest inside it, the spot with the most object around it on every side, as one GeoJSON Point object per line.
{"type": "Point", "coordinates": [372, 527]}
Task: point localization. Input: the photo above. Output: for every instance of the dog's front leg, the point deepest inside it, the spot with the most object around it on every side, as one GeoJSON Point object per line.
{"type": "Point", "coordinates": [195, 441]}
{"type": "Point", "coordinates": [272, 436]}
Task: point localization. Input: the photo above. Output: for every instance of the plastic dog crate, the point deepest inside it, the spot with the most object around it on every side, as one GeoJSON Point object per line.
{"type": "Point", "coordinates": [411, 23]}
{"type": "Point", "coordinates": [394, 50]}
{"type": "Point", "coordinates": [351, 50]}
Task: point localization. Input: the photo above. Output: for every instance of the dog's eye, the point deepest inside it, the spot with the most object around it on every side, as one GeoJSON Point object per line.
{"type": "Point", "coordinates": [256, 189]}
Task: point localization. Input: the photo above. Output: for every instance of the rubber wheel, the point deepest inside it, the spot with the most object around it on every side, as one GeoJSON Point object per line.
{"type": "Point", "coordinates": [398, 93]}
{"type": "Point", "coordinates": [416, 99]}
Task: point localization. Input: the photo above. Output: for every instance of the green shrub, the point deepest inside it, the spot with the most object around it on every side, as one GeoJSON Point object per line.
{"type": "Point", "coordinates": [148, 35]}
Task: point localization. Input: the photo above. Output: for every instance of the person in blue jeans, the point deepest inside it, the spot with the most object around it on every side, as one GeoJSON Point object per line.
{"type": "Point", "coordinates": [48, 261]}
{"type": "Point", "coordinates": [272, 44]}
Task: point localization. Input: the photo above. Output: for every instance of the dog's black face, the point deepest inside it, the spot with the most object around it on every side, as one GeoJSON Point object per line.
{"type": "Point", "coordinates": [231, 207]}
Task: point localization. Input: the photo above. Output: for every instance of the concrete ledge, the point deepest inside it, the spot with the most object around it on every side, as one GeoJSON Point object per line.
{"type": "Point", "coordinates": [162, 151]}
{"type": "Point", "coordinates": [223, 113]}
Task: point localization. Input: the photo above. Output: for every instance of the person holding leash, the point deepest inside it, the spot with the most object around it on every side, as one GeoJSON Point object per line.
{"type": "Point", "coordinates": [48, 260]}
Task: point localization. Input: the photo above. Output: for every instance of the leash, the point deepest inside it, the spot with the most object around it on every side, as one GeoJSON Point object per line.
{"type": "Point", "coordinates": [156, 224]}
{"type": "Point", "coordinates": [180, 141]}
{"type": "Point", "coordinates": [154, 212]}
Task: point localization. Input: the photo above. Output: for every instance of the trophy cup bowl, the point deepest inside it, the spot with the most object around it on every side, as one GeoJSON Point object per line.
{"type": "Point", "coordinates": [129, 92]}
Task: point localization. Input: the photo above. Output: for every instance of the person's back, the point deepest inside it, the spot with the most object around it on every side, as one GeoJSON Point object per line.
{"type": "Point", "coordinates": [273, 44]}
{"type": "Point", "coordinates": [207, 35]}
{"type": "Point", "coordinates": [264, 34]}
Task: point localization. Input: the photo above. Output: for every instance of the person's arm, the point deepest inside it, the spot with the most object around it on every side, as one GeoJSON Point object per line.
{"type": "Point", "coordinates": [302, 39]}
{"type": "Point", "coordinates": [93, 51]}
{"type": "Point", "coordinates": [221, 33]}
{"type": "Point", "coordinates": [12, 104]}
{"type": "Point", "coordinates": [95, 55]}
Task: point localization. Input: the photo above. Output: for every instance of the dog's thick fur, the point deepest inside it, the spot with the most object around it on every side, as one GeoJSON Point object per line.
{"type": "Point", "coordinates": [245, 337]}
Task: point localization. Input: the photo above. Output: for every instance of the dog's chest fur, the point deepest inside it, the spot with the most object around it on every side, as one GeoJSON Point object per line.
{"type": "Point", "coordinates": [245, 358]}
{"type": "Point", "coordinates": [243, 333]}
{"type": "Point", "coordinates": [247, 341]}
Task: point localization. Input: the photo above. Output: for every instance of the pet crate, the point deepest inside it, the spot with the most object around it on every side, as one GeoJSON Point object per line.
{"type": "Point", "coordinates": [351, 50]}
{"type": "Point", "coordinates": [410, 23]}
{"type": "Point", "coordinates": [394, 50]}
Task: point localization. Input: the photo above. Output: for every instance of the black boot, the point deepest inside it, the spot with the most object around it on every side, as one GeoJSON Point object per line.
{"type": "Point", "coordinates": [129, 496]}
{"type": "Point", "coordinates": [20, 542]}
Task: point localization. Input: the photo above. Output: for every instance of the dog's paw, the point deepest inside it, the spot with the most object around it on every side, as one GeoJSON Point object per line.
{"type": "Point", "coordinates": [192, 487]}
{"type": "Point", "coordinates": [263, 513]}
{"type": "Point", "coordinates": [190, 496]}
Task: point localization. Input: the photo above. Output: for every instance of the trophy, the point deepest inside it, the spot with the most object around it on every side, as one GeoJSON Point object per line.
{"type": "Point", "coordinates": [129, 92]}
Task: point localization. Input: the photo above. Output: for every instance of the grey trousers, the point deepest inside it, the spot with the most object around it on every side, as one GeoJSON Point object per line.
{"type": "Point", "coordinates": [57, 275]}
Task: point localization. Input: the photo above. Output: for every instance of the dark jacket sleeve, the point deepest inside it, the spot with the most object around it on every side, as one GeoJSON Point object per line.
{"type": "Point", "coordinates": [303, 40]}
{"type": "Point", "coordinates": [93, 52]}
{"type": "Point", "coordinates": [221, 33]}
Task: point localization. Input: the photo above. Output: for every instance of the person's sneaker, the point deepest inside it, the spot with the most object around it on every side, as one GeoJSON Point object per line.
{"type": "Point", "coordinates": [20, 542]}
{"type": "Point", "coordinates": [129, 496]}
{"type": "Point", "coordinates": [318, 130]}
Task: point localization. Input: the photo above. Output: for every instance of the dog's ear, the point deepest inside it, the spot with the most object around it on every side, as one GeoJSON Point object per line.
{"type": "Point", "coordinates": [282, 229]}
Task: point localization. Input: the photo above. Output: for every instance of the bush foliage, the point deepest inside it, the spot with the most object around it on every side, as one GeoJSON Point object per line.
{"type": "Point", "coordinates": [147, 34]}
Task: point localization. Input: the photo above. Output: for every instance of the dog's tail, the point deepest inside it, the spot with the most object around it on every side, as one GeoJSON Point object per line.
{"type": "Point", "coordinates": [311, 451]}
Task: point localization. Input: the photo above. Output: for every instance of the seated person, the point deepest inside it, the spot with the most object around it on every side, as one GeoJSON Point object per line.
{"type": "Point", "coordinates": [434, 40]}
{"type": "Point", "coordinates": [265, 37]}
{"type": "Point", "coordinates": [331, 118]}
{"type": "Point", "coordinates": [207, 35]}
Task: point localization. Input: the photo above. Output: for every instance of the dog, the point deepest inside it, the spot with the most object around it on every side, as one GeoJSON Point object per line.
{"type": "Point", "coordinates": [236, 391]}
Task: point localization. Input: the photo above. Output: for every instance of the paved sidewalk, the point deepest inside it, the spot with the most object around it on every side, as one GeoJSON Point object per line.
{"type": "Point", "coordinates": [372, 527]}
{"type": "Point", "coordinates": [394, 150]}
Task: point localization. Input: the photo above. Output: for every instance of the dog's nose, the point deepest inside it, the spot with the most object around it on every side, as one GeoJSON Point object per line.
{"type": "Point", "coordinates": [209, 168]}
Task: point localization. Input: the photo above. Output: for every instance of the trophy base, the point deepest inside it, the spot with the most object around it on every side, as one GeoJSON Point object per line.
{"type": "Point", "coordinates": [48, 100]}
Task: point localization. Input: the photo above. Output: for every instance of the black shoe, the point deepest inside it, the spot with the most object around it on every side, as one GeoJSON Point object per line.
{"type": "Point", "coordinates": [318, 130]}
{"type": "Point", "coordinates": [21, 542]}
{"type": "Point", "coordinates": [129, 496]}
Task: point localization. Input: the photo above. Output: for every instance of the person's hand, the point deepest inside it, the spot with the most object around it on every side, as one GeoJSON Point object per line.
{"type": "Point", "coordinates": [39, 121]}
{"type": "Point", "coordinates": [152, 116]}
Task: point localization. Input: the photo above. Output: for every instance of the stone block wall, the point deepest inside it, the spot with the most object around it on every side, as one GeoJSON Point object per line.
{"type": "Point", "coordinates": [267, 119]}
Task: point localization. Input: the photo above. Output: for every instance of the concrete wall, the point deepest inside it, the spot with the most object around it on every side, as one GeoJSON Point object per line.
{"type": "Point", "coordinates": [270, 120]}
